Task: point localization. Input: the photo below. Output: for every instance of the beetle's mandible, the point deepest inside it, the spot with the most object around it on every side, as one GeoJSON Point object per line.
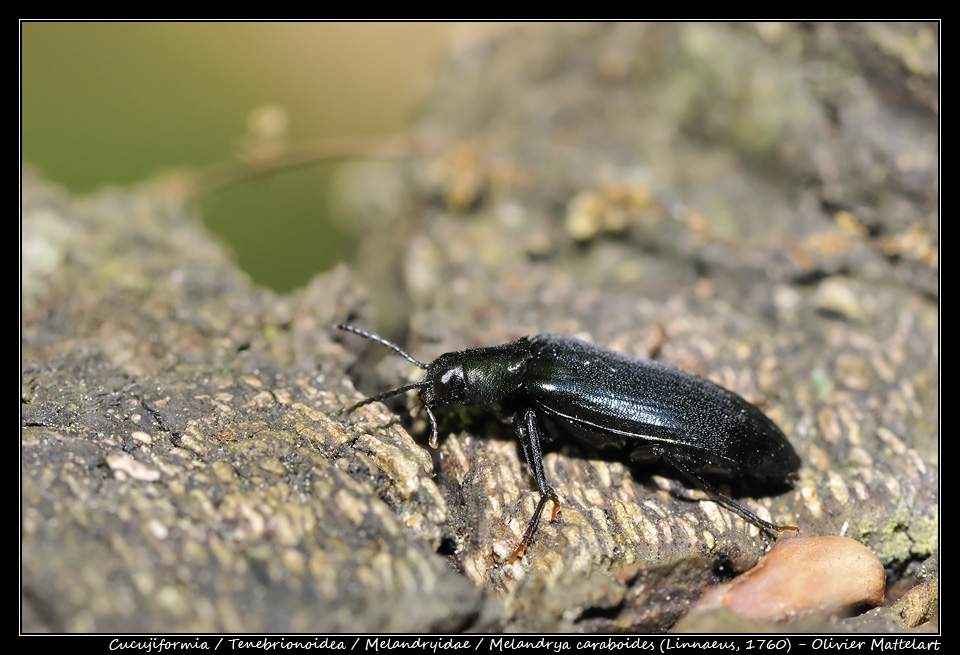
{"type": "Point", "coordinates": [551, 386]}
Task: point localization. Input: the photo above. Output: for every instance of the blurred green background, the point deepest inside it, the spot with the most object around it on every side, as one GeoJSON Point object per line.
{"type": "Point", "coordinates": [118, 103]}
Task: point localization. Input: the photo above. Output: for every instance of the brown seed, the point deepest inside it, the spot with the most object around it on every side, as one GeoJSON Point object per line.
{"type": "Point", "coordinates": [802, 576]}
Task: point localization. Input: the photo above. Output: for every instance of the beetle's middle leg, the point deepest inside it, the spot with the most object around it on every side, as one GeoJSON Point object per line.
{"type": "Point", "coordinates": [529, 434]}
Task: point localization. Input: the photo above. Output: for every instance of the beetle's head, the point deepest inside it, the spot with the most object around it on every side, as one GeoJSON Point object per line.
{"type": "Point", "coordinates": [445, 382]}
{"type": "Point", "coordinates": [483, 377]}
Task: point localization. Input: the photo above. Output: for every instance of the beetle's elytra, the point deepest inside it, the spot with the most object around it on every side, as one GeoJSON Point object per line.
{"type": "Point", "coordinates": [552, 386]}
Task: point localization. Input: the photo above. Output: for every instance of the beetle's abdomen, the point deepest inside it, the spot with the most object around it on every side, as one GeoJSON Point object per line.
{"type": "Point", "coordinates": [605, 398]}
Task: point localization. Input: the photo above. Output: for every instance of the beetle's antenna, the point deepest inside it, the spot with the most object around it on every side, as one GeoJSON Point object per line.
{"type": "Point", "coordinates": [386, 394]}
{"type": "Point", "coordinates": [434, 437]}
{"type": "Point", "coordinates": [383, 342]}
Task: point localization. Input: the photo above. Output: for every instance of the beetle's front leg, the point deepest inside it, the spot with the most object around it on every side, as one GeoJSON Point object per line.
{"type": "Point", "coordinates": [529, 434]}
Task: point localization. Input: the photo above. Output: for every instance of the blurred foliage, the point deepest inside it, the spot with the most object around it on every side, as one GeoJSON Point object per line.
{"type": "Point", "coordinates": [118, 103]}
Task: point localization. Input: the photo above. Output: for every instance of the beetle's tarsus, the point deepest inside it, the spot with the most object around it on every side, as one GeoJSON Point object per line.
{"type": "Point", "coordinates": [535, 523]}
{"type": "Point", "coordinates": [780, 529]}
{"type": "Point", "coordinates": [434, 437]}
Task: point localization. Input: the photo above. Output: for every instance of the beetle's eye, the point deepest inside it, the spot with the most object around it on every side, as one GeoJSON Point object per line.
{"type": "Point", "coordinates": [452, 386]}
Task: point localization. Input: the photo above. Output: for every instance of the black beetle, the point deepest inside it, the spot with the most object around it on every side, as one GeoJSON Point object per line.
{"type": "Point", "coordinates": [549, 386]}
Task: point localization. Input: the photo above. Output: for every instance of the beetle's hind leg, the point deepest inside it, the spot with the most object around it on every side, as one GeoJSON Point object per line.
{"type": "Point", "coordinates": [529, 434]}
{"type": "Point", "coordinates": [719, 498]}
